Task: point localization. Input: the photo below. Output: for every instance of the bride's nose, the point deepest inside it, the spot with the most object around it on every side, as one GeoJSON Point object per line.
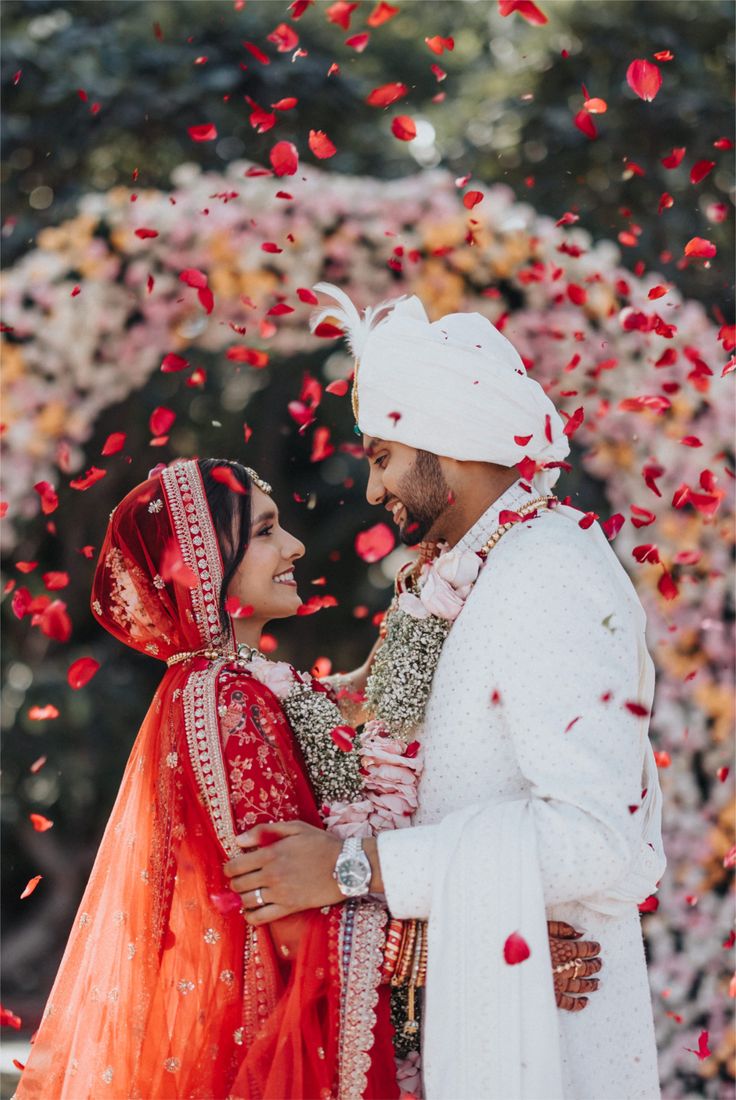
{"type": "Point", "coordinates": [295, 548]}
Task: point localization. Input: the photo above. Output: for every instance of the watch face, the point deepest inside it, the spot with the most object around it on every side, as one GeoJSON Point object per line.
{"type": "Point", "coordinates": [352, 873]}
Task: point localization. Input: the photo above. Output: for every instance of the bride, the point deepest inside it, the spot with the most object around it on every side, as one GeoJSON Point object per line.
{"type": "Point", "coordinates": [164, 989]}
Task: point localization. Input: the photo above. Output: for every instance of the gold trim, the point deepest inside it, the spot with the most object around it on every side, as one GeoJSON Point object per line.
{"type": "Point", "coordinates": [360, 981]}
{"type": "Point", "coordinates": [200, 551]}
{"type": "Point", "coordinates": [205, 751]}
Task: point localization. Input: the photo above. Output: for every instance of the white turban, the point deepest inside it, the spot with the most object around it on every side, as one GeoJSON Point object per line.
{"type": "Point", "coordinates": [456, 387]}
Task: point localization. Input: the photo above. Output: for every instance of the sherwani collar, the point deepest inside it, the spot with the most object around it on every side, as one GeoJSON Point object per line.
{"type": "Point", "coordinates": [511, 499]}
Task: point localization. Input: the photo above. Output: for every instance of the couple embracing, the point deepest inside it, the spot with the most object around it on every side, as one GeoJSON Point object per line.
{"type": "Point", "coordinates": [393, 882]}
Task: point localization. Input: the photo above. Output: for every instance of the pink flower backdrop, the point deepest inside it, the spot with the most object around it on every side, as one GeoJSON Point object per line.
{"type": "Point", "coordinates": [220, 268]}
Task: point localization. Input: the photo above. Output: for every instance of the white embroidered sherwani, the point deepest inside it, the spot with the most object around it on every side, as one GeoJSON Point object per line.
{"type": "Point", "coordinates": [530, 808]}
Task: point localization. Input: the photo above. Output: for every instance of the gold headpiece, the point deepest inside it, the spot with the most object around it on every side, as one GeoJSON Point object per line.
{"type": "Point", "coordinates": [257, 480]}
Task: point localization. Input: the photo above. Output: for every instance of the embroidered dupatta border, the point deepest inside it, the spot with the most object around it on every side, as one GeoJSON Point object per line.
{"type": "Point", "coordinates": [362, 942]}
{"type": "Point", "coordinates": [201, 722]}
{"type": "Point", "coordinates": [198, 544]}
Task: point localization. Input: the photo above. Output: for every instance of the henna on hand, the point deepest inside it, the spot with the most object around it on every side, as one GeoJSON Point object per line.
{"type": "Point", "coordinates": [574, 961]}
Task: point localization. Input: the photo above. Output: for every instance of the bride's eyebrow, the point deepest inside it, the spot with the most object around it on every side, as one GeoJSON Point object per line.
{"type": "Point", "coordinates": [270, 514]}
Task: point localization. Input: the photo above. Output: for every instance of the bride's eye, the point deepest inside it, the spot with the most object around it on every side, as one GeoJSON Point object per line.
{"type": "Point", "coordinates": [266, 530]}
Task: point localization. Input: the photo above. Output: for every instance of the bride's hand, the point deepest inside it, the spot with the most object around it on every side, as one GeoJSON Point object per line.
{"type": "Point", "coordinates": [287, 935]}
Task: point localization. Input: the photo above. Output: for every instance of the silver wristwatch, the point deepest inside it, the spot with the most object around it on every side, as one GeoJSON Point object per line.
{"type": "Point", "coordinates": [353, 869]}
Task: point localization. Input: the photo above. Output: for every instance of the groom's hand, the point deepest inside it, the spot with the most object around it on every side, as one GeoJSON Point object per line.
{"type": "Point", "coordinates": [291, 864]}
{"type": "Point", "coordinates": [574, 962]}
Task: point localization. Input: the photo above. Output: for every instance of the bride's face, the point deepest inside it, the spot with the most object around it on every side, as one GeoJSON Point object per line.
{"type": "Point", "coordinates": [265, 577]}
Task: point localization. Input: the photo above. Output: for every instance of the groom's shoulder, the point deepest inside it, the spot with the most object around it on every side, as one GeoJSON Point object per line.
{"type": "Point", "coordinates": [549, 545]}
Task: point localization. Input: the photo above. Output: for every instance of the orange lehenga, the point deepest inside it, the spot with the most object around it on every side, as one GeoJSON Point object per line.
{"type": "Point", "coordinates": [164, 990]}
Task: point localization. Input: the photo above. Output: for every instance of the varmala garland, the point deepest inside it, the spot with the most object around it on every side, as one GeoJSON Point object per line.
{"type": "Point", "coordinates": [367, 781]}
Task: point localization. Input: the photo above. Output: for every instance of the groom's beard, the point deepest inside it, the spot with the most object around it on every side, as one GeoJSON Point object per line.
{"type": "Point", "coordinates": [425, 495]}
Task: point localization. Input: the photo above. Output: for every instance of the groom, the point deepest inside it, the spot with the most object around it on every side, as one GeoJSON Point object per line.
{"type": "Point", "coordinates": [539, 797]}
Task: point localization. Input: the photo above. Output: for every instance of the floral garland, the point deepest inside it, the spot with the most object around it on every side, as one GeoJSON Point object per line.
{"type": "Point", "coordinates": [416, 628]}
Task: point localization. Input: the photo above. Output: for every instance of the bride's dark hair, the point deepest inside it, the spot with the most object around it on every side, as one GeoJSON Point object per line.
{"type": "Point", "coordinates": [231, 515]}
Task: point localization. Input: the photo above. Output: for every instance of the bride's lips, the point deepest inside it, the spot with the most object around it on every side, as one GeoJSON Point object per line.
{"type": "Point", "coordinates": [285, 578]}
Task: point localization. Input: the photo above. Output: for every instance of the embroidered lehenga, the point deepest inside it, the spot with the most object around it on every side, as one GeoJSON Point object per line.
{"type": "Point", "coordinates": [164, 990]}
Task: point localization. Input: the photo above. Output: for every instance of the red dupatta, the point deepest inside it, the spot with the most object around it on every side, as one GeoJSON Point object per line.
{"type": "Point", "coordinates": [164, 991]}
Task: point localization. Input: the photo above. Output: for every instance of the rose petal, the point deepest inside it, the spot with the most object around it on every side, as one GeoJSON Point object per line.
{"type": "Point", "coordinates": [81, 671]}
{"type": "Point", "coordinates": [515, 949]}
{"type": "Point", "coordinates": [375, 543]}
{"type": "Point", "coordinates": [644, 78]}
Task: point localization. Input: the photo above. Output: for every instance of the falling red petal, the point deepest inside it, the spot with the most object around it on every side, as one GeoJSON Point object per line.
{"type": "Point", "coordinates": [258, 53]}
{"type": "Point", "coordinates": [644, 78]}
{"type": "Point", "coordinates": [515, 949]}
{"type": "Point", "coordinates": [358, 42]}
{"type": "Point", "coordinates": [40, 823]}
{"type": "Point", "coordinates": [338, 388]}
{"type": "Point", "coordinates": [375, 543]}
{"type": "Point", "coordinates": [54, 622]}
{"type": "Point", "coordinates": [667, 586]}
{"type": "Point", "coordinates": [298, 7]}
{"type": "Point", "coordinates": [701, 169]}
{"type": "Point", "coordinates": [699, 246]}
{"type": "Point", "coordinates": [525, 8]}
{"type": "Point", "coordinates": [81, 671]}
{"type": "Point", "coordinates": [160, 420]}
{"type": "Point", "coordinates": [305, 295]}
{"type": "Point", "coordinates": [328, 331]}
{"type": "Point", "coordinates": [226, 477]}
{"type": "Point", "coordinates": [647, 552]}
{"type": "Point", "coordinates": [404, 128]}
{"type": "Point", "coordinates": [173, 362]}
{"type": "Point", "coordinates": [673, 159]}
{"type": "Point", "coordinates": [30, 886]}
{"type": "Point", "coordinates": [192, 276]}
{"type": "Point", "coordinates": [321, 145]}
{"type": "Point", "coordinates": [284, 38]}
{"type": "Point", "coordinates": [438, 44]}
{"type": "Point", "coordinates": [472, 198]}
{"type": "Point", "coordinates": [343, 736]}
{"type": "Point", "coordinates": [92, 475]}
{"type": "Point", "coordinates": [114, 443]}
{"type": "Point", "coordinates": [381, 14]}
{"type": "Point", "coordinates": [585, 124]}
{"type": "Point", "coordinates": [204, 132]}
{"type": "Point", "coordinates": [9, 1019]}
{"type": "Point", "coordinates": [284, 158]}
{"type": "Point", "coordinates": [252, 356]}
{"type": "Point", "coordinates": [285, 104]}
{"type": "Point", "coordinates": [386, 94]}
{"type": "Point", "coordinates": [56, 580]}
{"type": "Point", "coordinates": [613, 525]}
{"type": "Point", "coordinates": [703, 1050]}
{"type": "Point", "coordinates": [340, 13]}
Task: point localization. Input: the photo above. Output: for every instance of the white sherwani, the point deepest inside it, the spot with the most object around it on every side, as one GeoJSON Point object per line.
{"type": "Point", "coordinates": [530, 807]}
